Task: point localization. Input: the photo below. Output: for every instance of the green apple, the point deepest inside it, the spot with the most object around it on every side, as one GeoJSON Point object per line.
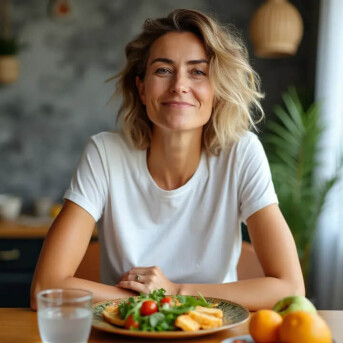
{"type": "Point", "coordinates": [293, 303]}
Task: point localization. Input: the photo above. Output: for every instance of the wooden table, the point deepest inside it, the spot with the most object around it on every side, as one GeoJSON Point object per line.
{"type": "Point", "coordinates": [20, 325]}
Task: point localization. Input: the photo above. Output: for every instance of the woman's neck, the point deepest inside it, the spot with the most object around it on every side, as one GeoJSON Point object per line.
{"type": "Point", "coordinates": [173, 158]}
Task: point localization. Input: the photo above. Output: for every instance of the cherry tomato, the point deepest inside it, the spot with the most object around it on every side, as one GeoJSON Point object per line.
{"type": "Point", "coordinates": [167, 300]}
{"type": "Point", "coordinates": [148, 307]}
{"type": "Point", "coordinates": [131, 323]}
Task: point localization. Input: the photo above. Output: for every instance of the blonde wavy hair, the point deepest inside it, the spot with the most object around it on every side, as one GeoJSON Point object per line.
{"type": "Point", "coordinates": [236, 85]}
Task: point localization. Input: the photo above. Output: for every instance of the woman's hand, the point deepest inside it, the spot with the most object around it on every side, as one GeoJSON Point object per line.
{"type": "Point", "coordinates": [146, 280]}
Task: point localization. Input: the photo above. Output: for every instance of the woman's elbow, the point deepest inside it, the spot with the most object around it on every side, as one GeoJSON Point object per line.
{"type": "Point", "coordinates": [35, 289]}
{"type": "Point", "coordinates": [43, 281]}
{"type": "Point", "coordinates": [296, 287]}
{"type": "Point", "coordinates": [38, 284]}
{"type": "Point", "coordinates": [299, 289]}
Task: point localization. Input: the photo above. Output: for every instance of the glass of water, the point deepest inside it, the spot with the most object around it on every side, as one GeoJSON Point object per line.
{"type": "Point", "coordinates": [64, 315]}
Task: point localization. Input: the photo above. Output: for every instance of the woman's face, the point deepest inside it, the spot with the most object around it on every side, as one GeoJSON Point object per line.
{"type": "Point", "coordinates": [176, 90]}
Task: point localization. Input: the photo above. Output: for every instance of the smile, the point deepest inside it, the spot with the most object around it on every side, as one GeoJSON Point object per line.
{"type": "Point", "coordinates": [177, 104]}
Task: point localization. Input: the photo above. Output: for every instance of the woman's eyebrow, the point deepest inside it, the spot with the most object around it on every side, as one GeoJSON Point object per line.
{"type": "Point", "coordinates": [169, 61]}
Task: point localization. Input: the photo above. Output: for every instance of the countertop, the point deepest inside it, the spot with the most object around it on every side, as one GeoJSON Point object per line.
{"type": "Point", "coordinates": [27, 227]}
{"type": "Point", "coordinates": [20, 325]}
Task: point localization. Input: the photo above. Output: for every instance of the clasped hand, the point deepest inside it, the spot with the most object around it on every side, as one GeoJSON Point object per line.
{"type": "Point", "coordinates": [146, 280]}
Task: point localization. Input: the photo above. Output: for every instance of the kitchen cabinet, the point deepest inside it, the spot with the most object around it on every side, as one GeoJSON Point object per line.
{"type": "Point", "coordinates": [20, 245]}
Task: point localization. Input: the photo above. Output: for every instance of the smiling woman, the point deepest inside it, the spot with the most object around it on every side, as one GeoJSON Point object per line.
{"type": "Point", "coordinates": [221, 53]}
{"type": "Point", "coordinates": [169, 192]}
{"type": "Point", "coordinates": [177, 91]}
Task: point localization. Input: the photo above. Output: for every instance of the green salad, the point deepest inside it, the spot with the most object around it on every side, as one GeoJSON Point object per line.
{"type": "Point", "coordinates": [156, 311]}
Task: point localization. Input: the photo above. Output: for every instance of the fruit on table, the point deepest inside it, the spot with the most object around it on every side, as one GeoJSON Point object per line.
{"type": "Point", "coordinates": [292, 304]}
{"type": "Point", "coordinates": [264, 326]}
{"type": "Point", "coordinates": [304, 327]}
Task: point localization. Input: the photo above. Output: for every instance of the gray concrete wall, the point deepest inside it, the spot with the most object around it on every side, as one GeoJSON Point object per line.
{"type": "Point", "coordinates": [61, 97]}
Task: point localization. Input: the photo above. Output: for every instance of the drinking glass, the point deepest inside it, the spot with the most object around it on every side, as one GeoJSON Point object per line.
{"type": "Point", "coordinates": [64, 315]}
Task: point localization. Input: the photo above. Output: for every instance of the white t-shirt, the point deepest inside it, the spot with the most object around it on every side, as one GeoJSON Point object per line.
{"type": "Point", "coordinates": [192, 233]}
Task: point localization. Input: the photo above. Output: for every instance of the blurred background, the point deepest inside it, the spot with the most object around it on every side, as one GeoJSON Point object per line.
{"type": "Point", "coordinates": [53, 96]}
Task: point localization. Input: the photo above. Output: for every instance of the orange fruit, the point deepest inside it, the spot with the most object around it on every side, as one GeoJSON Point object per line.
{"type": "Point", "coordinates": [304, 327]}
{"type": "Point", "coordinates": [264, 326]}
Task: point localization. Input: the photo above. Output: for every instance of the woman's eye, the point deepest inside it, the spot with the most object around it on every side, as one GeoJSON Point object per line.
{"type": "Point", "coordinates": [198, 72]}
{"type": "Point", "coordinates": [162, 71]}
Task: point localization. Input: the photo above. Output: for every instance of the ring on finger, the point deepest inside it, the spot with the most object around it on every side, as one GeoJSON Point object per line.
{"type": "Point", "coordinates": [138, 277]}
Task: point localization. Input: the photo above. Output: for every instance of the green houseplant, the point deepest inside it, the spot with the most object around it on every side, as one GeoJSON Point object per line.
{"type": "Point", "coordinates": [292, 146]}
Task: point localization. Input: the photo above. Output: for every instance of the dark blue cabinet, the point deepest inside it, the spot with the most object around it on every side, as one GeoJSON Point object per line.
{"type": "Point", "coordinates": [18, 258]}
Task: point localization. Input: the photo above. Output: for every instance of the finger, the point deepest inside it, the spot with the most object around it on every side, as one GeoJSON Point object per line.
{"type": "Point", "coordinates": [146, 271]}
{"type": "Point", "coordinates": [141, 268]}
{"type": "Point", "coordinates": [124, 276]}
{"type": "Point", "coordinates": [131, 274]}
{"type": "Point", "coordinates": [136, 277]}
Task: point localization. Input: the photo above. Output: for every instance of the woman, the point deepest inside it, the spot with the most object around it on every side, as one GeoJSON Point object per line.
{"type": "Point", "coordinates": [170, 192]}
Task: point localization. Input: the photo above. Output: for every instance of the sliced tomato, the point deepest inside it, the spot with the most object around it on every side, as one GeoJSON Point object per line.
{"type": "Point", "coordinates": [148, 307]}
{"type": "Point", "coordinates": [131, 323]}
{"type": "Point", "coordinates": [167, 300]}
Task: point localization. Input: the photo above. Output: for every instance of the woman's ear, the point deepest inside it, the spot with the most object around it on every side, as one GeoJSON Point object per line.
{"type": "Point", "coordinates": [140, 88]}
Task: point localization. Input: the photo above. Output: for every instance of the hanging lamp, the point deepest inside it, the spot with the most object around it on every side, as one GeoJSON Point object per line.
{"type": "Point", "coordinates": [276, 29]}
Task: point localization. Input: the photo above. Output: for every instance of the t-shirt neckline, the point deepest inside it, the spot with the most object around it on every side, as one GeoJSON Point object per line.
{"type": "Point", "coordinates": [200, 173]}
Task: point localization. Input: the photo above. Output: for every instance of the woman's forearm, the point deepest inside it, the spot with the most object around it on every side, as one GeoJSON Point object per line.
{"type": "Point", "coordinates": [254, 294]}
{"type": "Point", "coordinates": [101, 292]}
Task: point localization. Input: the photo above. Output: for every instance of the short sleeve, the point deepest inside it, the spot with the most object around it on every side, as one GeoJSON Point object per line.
{"type": "Point", "coordinates": [88, 187]}
{"type": "Point", "coordinates": [256, 189]}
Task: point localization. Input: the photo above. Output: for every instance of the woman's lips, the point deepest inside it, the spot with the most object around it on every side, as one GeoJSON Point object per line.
{"type": "Point", "coordinates": [177, 104]}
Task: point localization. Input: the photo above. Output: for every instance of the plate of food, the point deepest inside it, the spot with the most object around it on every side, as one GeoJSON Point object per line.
{"type": "Point", "coordinates": [157, 315]}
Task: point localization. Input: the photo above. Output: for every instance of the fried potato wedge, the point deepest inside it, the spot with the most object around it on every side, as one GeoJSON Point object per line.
{"type": "Point", "coordinates": [111, 314]}
{"type": "Point", "coordinates": [186, 323]}
{"type": "Point", "coordinates": [206, 321]}
{"type": "Point", "coordinates": [210, 311]}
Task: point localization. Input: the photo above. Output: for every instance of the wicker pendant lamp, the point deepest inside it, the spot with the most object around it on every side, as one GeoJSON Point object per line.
{"type": "Point", "coordinates": [276, 29]}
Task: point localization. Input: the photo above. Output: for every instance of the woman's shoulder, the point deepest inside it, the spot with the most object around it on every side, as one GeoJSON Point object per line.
{"type": "Point", "coordinates": [108, 138]}
{"type": "Point", "coordinates": [247, 138]}
{"type": "Point", "coordinates": [247, 147]}
{"type": "Point", "coordinates": [248, 141]}
{"type": "Point", "coordinates": [112, 145]}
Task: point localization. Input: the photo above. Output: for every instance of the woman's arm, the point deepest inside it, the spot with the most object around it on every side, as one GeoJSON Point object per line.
{"type": "Point", "coordinates": [62, 253]}
{"type": "Point", "coordinates": [275, 248]}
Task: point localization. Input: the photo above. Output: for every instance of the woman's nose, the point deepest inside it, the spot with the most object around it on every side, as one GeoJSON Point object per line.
{"type": "Point", "coordinates": [179, 84]}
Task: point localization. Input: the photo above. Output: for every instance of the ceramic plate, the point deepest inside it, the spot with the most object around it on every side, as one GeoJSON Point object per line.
{"type": "Point", "coordinates": [233, 314]}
